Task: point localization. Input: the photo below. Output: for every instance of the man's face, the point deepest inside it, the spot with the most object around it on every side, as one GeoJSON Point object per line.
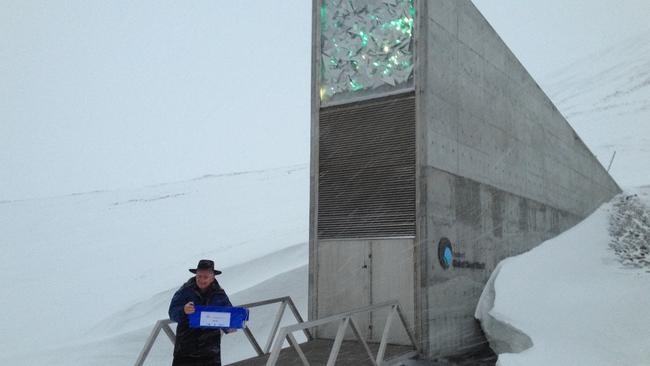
{"type": "Point", "coordinates": [204, 278]}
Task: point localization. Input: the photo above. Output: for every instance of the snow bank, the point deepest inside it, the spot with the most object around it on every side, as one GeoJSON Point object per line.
{"type": "Point", "coordinates": [504, 337]}
{"type": "Point", "coordinates": [572, 299]}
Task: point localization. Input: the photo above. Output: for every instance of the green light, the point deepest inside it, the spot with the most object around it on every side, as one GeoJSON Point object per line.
{"type": "Point", "coordinates": [355, 86]}
{"type": "Point", "coordinates": [323, 17]}
{"type": "Point", "coordinates": [404, 25]}
{"type": "Point", "coordinates": [364, 39]}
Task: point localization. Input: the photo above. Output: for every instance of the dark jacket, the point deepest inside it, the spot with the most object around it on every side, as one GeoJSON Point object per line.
{"type": "Point", "coordinates": [196, 342]}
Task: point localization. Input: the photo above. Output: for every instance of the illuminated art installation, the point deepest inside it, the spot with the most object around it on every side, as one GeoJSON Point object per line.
{"type": "Point", "coordinates": [366, 44]}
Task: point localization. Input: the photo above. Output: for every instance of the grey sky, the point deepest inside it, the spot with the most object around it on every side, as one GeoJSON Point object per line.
{"type": "Point", "coordinates": [549, 34]}
{"type": "Point", "coordinates": [108, 94]}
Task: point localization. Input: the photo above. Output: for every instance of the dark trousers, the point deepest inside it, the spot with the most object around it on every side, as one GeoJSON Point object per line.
{"type": "Point", "coordinates": [196, 361]}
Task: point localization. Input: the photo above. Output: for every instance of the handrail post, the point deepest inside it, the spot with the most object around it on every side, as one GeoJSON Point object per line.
{"type": "Point", "coordinates": [147, 346]}
{"type": "Point", "coordinates": [294, 343]}
{"type": "Point", "coordinates": [276, 324]}
{"type": "Point", "coordinates": [406, 328]}
{"type": "Point", "coordinates": [296, 314]}
{"type": "Point", "coordinates": [340, 334]}
{"type": "Point", "coordinates": [253, 341]}
{"type": "Point", "coordinates": [355, 329]}
{"type": "Point", "coordinates": [168, 330]}
{"type": "Point", "coordinates": [277, 347]}
{"type": "Point", "coordinates": [384, 338]}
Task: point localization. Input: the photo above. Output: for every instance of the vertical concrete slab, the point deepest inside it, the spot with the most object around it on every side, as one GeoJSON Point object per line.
{"type": "Point", "coordinates": [313, 164]}
{"type": "Point", "coordinates": [343, 282]}
{"type": "Point", "coordinates": [358, 273]}
{"type": "Point", "coordinates": [484, 224]}
{"type": "Point", "coordinates": [509, 132]}
{"type": "Point", "coordinates": [393, 278]}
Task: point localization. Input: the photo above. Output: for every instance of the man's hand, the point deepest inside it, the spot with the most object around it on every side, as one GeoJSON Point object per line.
{"type": "Point", "coordinates": [229, 330]}
{"type": "Point", "coordinates": [189, 308]}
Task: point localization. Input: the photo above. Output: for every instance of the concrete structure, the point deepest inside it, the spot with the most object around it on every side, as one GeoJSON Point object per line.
{"type": "Point", "coordinates": [480, 155]}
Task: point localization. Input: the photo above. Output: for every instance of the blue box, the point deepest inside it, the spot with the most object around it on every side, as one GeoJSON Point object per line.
{"type": "Point", "coordinates": [217, 317]}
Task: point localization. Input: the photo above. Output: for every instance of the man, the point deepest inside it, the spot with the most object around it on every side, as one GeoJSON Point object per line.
{"type": "Point", "coordinates": [197, 346]}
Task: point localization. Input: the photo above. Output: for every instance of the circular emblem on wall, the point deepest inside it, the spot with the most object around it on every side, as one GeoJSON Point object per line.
{"type": "Point", "coordinates": [445, 253]}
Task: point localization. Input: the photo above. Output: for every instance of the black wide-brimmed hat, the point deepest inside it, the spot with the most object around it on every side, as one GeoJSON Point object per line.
{"type": "Point", "coordinates": [205, 264]}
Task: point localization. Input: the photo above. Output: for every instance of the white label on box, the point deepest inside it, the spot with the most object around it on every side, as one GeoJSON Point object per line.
{"type": "Point", "coordinates": [214, 319]}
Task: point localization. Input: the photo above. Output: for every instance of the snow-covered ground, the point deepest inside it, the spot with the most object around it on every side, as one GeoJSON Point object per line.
{"type": "Point", "coordinates": [85, 276]}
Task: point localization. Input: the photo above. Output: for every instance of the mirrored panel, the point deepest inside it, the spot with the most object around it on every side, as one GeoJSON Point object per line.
{"type": "Point", "coordinates": [366, 48]}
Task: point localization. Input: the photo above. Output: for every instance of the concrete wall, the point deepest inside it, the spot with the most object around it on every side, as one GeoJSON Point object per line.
{"type": "Point", "coordinates": [499, 168]}
{"type": "Point", "coordinates": [355, 273]}
{"type": "Point", "coordinates": [488, 120]}
{"type": "Point", "coordinates": [485, 225]}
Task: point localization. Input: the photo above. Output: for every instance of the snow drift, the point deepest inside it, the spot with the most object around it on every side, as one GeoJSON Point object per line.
{"type": "Point", "coordinates": [573, 300]}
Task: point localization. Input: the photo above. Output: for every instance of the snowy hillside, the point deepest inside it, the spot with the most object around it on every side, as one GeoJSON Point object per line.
{"type": "Point", "coordinates": [89, 270]}
{"type": "Point", "coordinates": [606, 98]}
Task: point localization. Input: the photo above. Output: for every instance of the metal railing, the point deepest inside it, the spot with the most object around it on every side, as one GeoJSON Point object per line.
{"type": "Point", "coordinates": [163, 325]}
{"type": "Point", "coordinates": [345, 320]}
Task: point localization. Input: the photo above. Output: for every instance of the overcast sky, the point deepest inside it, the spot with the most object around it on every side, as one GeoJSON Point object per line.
{"type": "Point", "coordinates": [110, 94]}
{"type": "Point", "coordinates": [546, 35]}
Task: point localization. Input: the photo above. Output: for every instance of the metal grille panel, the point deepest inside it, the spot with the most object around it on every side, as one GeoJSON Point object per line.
{"type": "Point", "coordinates": [366, 184]}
